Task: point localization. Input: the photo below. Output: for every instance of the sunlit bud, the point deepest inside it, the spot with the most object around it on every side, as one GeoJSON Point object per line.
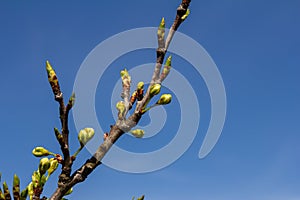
{"type": "Point", "coordinates": [41, 151]}
{"type": "Point", "coordinates": [166, 68]}
{"type": "Point", "coordinates": [24, 193]}
{"type": "Point", "coordinates": [72, 100]}
{"type": "Point", "coordinates": [139, 133]}
{"type": "Point", "coordinates": [6, 191]}
{"type": "Point", "coordinates": [140, 85]}
{"type": "Point", "coordinates": [124, 73]}
{"type": "Point", "coordinates": [164, 99]}
{"type": "Point", "coordinates": [85, 135]}
{"type": "Point", "coordinates": [52, 78]}
{"type": "Point", "coordinates": [35, 178]}
{"type": "Point", "coordinates": [16, 187]}
{"type": "Point", "coordinates": [69, 191]}
{"type": "Point", "coordinates": [121, 108]}
{"type": "Point", "coordinates": [185, 15]}
{"type": "Point", "coordinates": [30, 190]}
{"type": "Point", "coordinates": [168, 61]}
{"type": "Point", "coordinates": [16, 181]}
{"type": "Point", "coordinates": [57, 134]}
{"type": "Point", "coordinates": [44, 165]}
{"type": "Point", "coordinates": [126, 79]}
{"type": "Point", "coordinates": [161, 29]}
{"type": "Point", "coordinates": [53, 165]}
{"type": "Point", "coordinates": [155, 89]}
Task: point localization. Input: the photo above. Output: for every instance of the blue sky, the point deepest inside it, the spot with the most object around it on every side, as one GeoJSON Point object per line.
{"type": "Point", "coordinates": [255, 45]}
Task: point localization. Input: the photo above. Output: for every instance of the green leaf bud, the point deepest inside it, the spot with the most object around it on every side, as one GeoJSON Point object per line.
{"type": "Point", "coordinates": [52, 78]}
{"type": "Point", "coordinates": [72, 100]}
{"type": "Point", "coordinates": [168, 61]}
{"type": "Point", "coordinates": [140, 85]}
{"type": "Point", "coordinates": [121, 108]}
{"type": "Point", "coordinates": [161, 29]}
{"type": "Point", "coordinates": [16, 181]}
{"type": "Point", "coordinates": [85, 135]}
{"type": "Point", "coordinates": [16, 187]}
{"type": "Point", "coordinates": [139, 133]}
{"type": "Point", "coordinates": [126, 79]}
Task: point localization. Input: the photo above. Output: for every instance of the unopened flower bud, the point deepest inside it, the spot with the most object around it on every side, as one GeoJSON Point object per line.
{"type": "Point", "coordinates": [41, 151]}
{"type": "Point", "coordinates": [44, 165]}
{"type": "Point", "coordinates": [72, 100]}
{"type": "Point", "coordinates": [126, 79]}
{"type": "Point", "coordinates": [124, 73]}
{"type": "Point", "coordinates": [164, 99]}
{"type": "Point", "coordinates": [121, 108]}
{"type": "Point", "coordinates": [140, 85]}
{"type": "Point", "coordinates": [139, 133]}
{"type": "Point", "coordinates": [53, 165]}
{"type": "Point", "coordinates": [85, 135]}
{"type": "Point", "coordinates": [155, 89]}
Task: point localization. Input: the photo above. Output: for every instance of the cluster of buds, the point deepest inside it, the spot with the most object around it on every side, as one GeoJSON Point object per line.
{"type": "Point", "coordinates": [39, 178]}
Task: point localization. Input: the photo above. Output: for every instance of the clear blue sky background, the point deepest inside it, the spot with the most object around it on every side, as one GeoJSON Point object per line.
{"type": "Point", "coordinates": [255, 45]}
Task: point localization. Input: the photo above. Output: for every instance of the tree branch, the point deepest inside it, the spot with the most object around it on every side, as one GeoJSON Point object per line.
{"type": "Point", "coordinates": [65, 180]}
